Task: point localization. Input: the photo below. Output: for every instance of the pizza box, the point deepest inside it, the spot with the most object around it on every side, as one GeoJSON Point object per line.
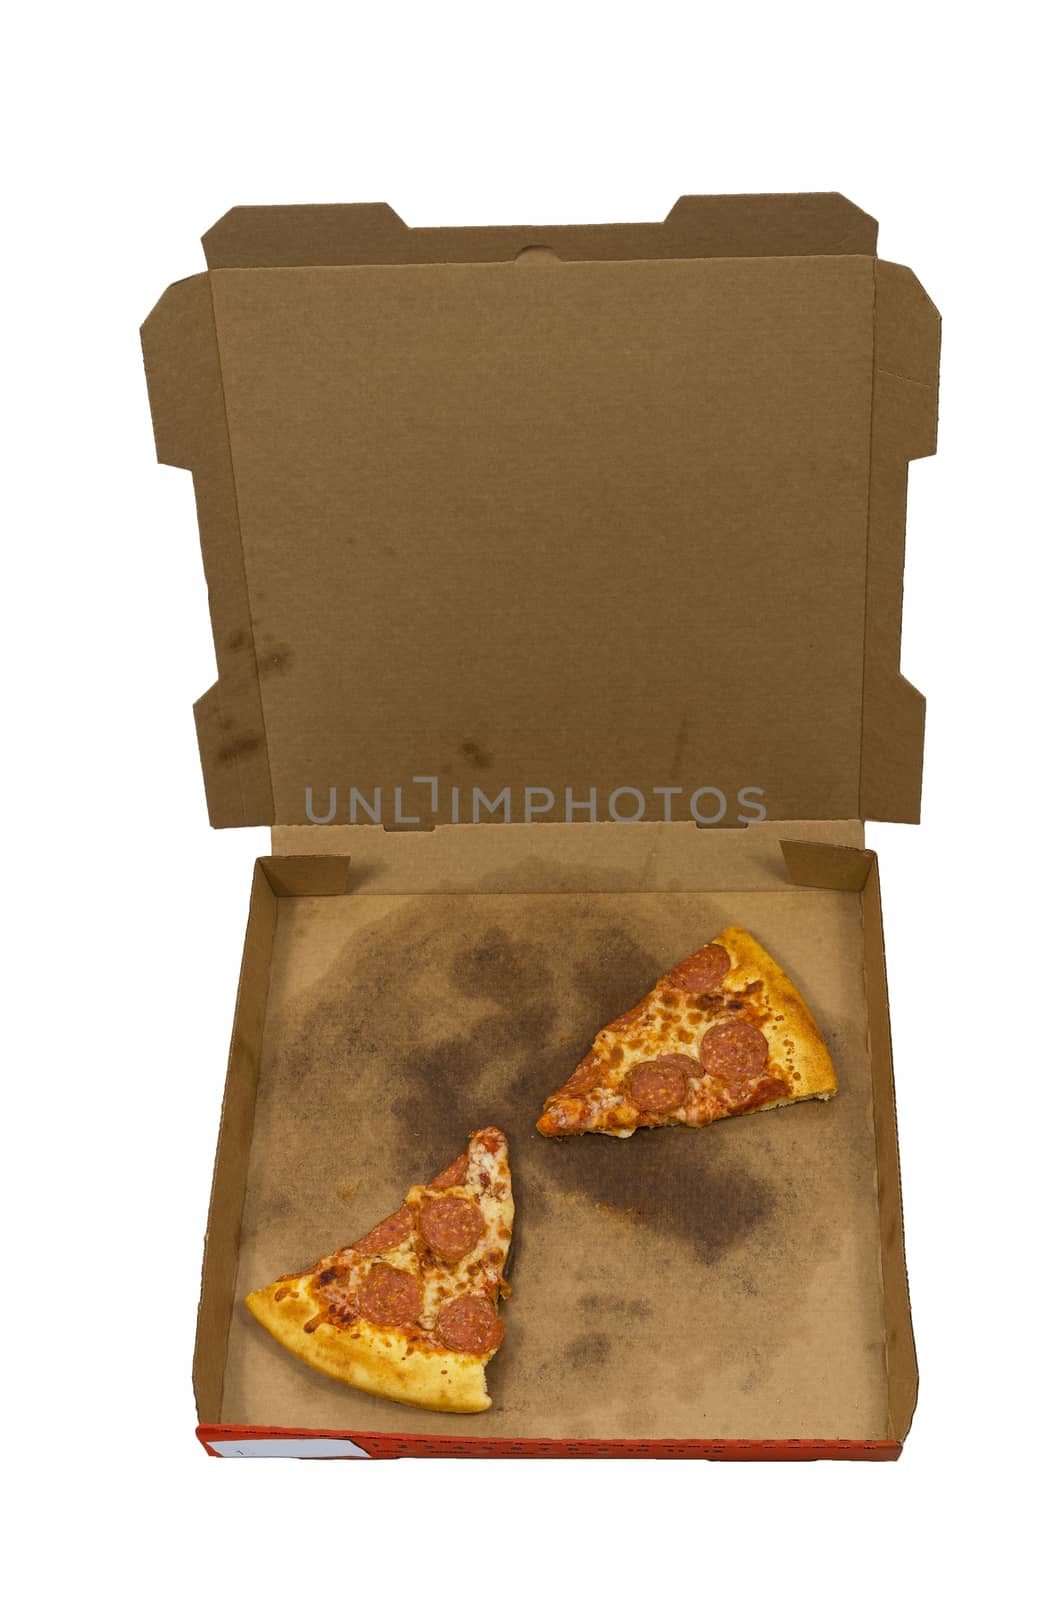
{"type": "Point", "coordinates": [555, 578]}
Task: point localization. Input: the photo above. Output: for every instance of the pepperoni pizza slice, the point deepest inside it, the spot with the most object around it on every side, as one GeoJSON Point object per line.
{"type": "Point", "coordinates": [410, 1310]}
{"type": "Point", "coordinates": [723, 1033]}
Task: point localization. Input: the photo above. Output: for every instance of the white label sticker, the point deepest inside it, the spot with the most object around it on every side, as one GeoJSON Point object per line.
{"type": "Point", "coordinates": [296, 1449]}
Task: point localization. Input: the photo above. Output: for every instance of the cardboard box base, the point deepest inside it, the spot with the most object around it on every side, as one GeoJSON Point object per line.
{"type": "Point", "coordinates": [735, 1292]}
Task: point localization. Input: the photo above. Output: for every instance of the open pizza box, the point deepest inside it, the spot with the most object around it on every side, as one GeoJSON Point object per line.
{"type": "Point", "coordinates": [555, 577]}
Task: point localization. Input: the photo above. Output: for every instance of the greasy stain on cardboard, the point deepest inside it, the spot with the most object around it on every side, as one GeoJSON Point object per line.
{"type": "Point", "coordinates": [665, 1280]}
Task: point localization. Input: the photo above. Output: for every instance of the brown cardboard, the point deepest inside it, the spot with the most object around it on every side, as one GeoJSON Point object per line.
{"type": "Point", "coordinates": [698, 225]}
{"type": "Point", "coordinates": [393, 1022]}
{"type": "Point", "coordinates": [612, 508]}
{"type": "Point", "coordinates": [560, 858]}
{"type": "Point", "coordinates": [641, 490]}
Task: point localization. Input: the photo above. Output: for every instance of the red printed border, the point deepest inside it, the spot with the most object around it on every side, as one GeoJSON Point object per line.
{"type": "Point", "coordinates": [394, 1446]}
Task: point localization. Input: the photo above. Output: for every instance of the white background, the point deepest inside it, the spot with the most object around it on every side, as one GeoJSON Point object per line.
{"type": "Point", "coordinates": [131, 129]}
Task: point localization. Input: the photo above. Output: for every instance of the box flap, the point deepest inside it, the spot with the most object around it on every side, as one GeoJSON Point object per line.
{"type": "Point", "coordinates": [611, 517]}
{"type": "Point", "coordinates": [697, 225]}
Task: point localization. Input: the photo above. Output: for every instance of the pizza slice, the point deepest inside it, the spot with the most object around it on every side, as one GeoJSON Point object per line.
{"type": "Point", "coordinates": [410, 1310]}
{"type": "Point", "coordinates": [723, 1033]}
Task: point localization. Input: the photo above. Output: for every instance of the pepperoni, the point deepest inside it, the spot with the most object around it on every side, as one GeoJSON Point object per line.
{"type": "Point", "coordinates": [387, 1234]}
{"type": "Point", "coordinates": [389, 1297]}
{"type": "Point", "coordinates": [734, 1051]}
{"type": "Point", "coordinates": [469, 1324]}
{"type": "Point", "coordinates": [690, 1065]}
{"type": "Point", "coordinates": [451, 1176]}
{"type": "Point", "coordinates": [588, 1075]}
{"type": "Point", "coordinates": [451, 1226]}
{"type": "Point", "coordinates": [703, 971]}
{"type": "Point", "coordinates": [658, 1086]}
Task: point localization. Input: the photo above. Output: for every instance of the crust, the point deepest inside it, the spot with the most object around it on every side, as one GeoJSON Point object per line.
{"type": "Point", "coordinates": [809, 1057]}
{"type": "Point", "coordinates": [380, 1361]}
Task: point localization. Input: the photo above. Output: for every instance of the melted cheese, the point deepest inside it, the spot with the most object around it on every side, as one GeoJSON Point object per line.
{"type": "Point", "coordinates": [487, 1183]}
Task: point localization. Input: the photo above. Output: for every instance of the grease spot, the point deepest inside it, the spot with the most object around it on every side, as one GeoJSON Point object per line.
{"type": "Point", "coordinates": [243, 745]}
{"type": "Point", "coordinates": [274, 658]}
{"type": "Point", "coordinates": [499, 969]}
{"type": "Point", "coordinates": [476, 755]}
{"type": "Point", "coordinates": [620, 975]}
{"type": "Point", "coordinates": [588, 1350]}
{"type": "Point", "coordinates": [614, 1305]}
{"type": "Point", "coordinates": [672, 1181]}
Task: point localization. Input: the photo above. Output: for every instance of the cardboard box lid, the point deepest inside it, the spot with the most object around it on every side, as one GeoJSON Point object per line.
{"type": "Point", "coordinates": [612, 508]}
